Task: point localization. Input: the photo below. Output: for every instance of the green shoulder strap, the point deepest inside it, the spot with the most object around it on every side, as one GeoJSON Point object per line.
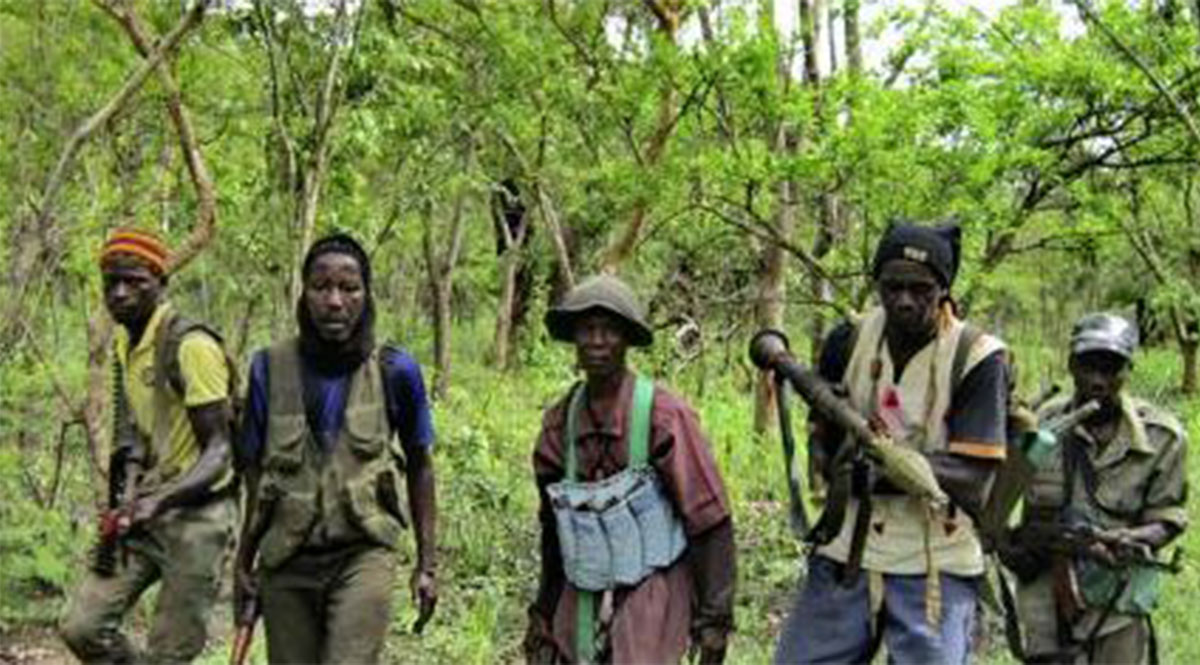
{"type": "Point", "coordinates": [638, 442]}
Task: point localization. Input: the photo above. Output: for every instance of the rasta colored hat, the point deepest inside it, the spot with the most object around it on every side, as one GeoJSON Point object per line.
{"type": "Point", "coordinates": [145, 246]}
{"type": "Point", "coordinates": [1104, 332]}
{"type": "Point", "coordinates": [603, 292]}
{"type": "Point", "coordinates": [936, 248]}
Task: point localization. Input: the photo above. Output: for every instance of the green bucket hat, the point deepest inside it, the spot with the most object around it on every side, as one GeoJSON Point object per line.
{"type": "Point", "coordinates": [599, 292]}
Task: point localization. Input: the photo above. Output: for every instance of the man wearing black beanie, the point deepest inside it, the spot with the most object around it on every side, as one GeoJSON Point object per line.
{"type": "Point", "coordinates": [892, 569]}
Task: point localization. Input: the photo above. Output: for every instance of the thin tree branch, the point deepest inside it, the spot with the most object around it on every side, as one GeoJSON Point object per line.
{"type": "Point", "coordinates": [1089, 13]}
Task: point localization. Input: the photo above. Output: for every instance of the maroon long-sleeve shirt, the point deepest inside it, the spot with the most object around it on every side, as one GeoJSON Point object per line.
{"type": "Point", "coordinates": [653, 621]}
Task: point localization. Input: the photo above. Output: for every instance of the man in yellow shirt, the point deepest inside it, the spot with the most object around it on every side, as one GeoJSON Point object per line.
{"type": "Point", "coordinates": [172, 447]}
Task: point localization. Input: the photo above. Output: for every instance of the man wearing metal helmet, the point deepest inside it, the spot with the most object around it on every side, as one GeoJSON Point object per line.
{"type": "Point", "coordinates": [1119, 478]}
{"type": "Point", "coordinates": [637, 541]}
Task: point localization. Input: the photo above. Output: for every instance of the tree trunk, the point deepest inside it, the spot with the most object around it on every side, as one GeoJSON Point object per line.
{"type": "Point", "coordinates": [440, 269]}
{"type": "Point", "coordinates": [441, 282]}
{"type": "Point", "coordinates": [1187, 352]}
{"type": "Point", "coordinates": [772, 290]}
{"type": "Point", "coordinates": [827, 206]}
{"type": "Point", "coordinates": [854, 55]}
{"type": "Point", "coordinates": [504, 313]}
{"type": "Point", "coordinates": [769, 311]}
{"type": "Point", "coordinates": [667, 15]}
{"type": "Point", "coordinates": [510, 221]}
{"type": "Point", "coordinates": [313, 179]}
{"type": "Point", "coordinates": [562, 250]}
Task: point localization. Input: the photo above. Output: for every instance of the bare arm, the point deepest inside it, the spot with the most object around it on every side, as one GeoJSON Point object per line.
{"type": "Point", "coordinates": [423, 500]}
{"type": "Point", "coordinates": [422, 497]}
{"type": "Point", "coordinates": [210, 423]}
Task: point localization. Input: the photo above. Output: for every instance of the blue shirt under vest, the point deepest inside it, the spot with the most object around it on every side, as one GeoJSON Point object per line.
{"type": "Point", "coordinates": [325, 404]}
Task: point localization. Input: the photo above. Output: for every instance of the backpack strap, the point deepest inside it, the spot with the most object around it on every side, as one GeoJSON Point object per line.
{"type": "Point", "coordinates": [169, 373]}
{"type": "Point", "coordinates": [166, 351]}
{"type": "Point", "coordinates": [966, 340]}
{"type": "Point", "coordinates": [637, 438]}
{"type": "Point", "coordinates": [574, 406]}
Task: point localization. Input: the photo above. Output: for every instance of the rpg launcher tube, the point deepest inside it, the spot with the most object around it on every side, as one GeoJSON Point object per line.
{"type": "Point", "coordinates": [769, 351]}
{"type": "Point", "coordinates": [906, 467]}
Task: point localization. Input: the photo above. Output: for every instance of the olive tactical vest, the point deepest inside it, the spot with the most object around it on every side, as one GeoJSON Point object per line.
{"type": "Point", "coordinates": [321, 498]}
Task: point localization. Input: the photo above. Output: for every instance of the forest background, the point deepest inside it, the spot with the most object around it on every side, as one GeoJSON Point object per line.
{"type": "Point", "coordinates": [489, 153]}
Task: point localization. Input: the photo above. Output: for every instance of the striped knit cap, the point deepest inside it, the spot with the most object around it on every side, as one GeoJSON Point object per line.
{"type": "Point", "coordinates": [144, 245]}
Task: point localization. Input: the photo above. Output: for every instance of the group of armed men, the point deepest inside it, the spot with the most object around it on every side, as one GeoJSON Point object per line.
{"type": "Point", "coordinates": [637, 540]}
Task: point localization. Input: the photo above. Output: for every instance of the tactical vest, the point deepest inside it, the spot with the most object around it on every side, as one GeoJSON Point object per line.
{"type": "Point", "coordinates": [617, 531]}
{"type": "Point", "coordinates": [321, 499]}
{"type": "Point", "coordinates": [901, 539]}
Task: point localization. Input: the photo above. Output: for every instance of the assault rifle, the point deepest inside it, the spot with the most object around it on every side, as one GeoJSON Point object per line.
{"type": "Point", "coordinates": [1028, 451]}
{"type": "Point", "coordinates": [1077, 538]}
{"type": "Point", "coordinates": [904, 467]}
{"type": "Point", "coordinates": [123, 465]}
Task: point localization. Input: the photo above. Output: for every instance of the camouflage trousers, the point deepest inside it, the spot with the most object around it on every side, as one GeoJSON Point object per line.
{"type": "Point", "coordinates": [185, 549]}
{"type": "Point", "coordinates": [329, 607]}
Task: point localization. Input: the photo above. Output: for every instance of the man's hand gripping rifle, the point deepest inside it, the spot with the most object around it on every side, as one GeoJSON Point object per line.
{"type": "Point", "coordinates": [907, 469]}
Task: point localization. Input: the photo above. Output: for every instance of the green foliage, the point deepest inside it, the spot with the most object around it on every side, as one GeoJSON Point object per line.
{"type": "Point", "coordinates": [1072, 176]}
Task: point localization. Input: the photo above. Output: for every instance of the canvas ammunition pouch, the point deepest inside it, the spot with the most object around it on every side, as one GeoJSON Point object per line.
{"type": "Point", "coordinates": [617, 531]}
{"type": "Point", "coordinates": [1132, 589]}
{"type": "Point", "coordinates": [321, 499]}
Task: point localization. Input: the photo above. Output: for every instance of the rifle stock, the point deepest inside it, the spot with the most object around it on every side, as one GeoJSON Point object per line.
{"type": "Point", "coordinates": [243, 637]}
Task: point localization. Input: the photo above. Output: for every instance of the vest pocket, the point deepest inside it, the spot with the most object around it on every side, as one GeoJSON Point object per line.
{"type": "Point", "coordinates": [292, 515]}
{"type": "Point", "coordinates": [661, 530]}
{"type": "Point", "coordinates": [589, 567]}
{"type": "Point", "coordinates": [387, 490]}
{"type": "Point", "coordinates": [367, 434]}
{"type": "Point", "coordinates": [363, 496]}
{"type": "Point", "coordinates": [285, 444]}
{"type": "Point", "coordinates": [625, 544]}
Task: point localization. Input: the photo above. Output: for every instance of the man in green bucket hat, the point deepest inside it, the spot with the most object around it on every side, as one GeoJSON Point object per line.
{"type": "Point", "coordinates": [637, 540]}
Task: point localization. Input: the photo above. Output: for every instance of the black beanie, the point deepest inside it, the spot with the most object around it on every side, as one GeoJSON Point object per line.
{"type": "Point", "coordinates": [936, 248]}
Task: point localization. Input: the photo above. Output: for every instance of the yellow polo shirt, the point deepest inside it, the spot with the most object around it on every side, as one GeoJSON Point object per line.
{"type": "Point", "coordinates": [205, 378]}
